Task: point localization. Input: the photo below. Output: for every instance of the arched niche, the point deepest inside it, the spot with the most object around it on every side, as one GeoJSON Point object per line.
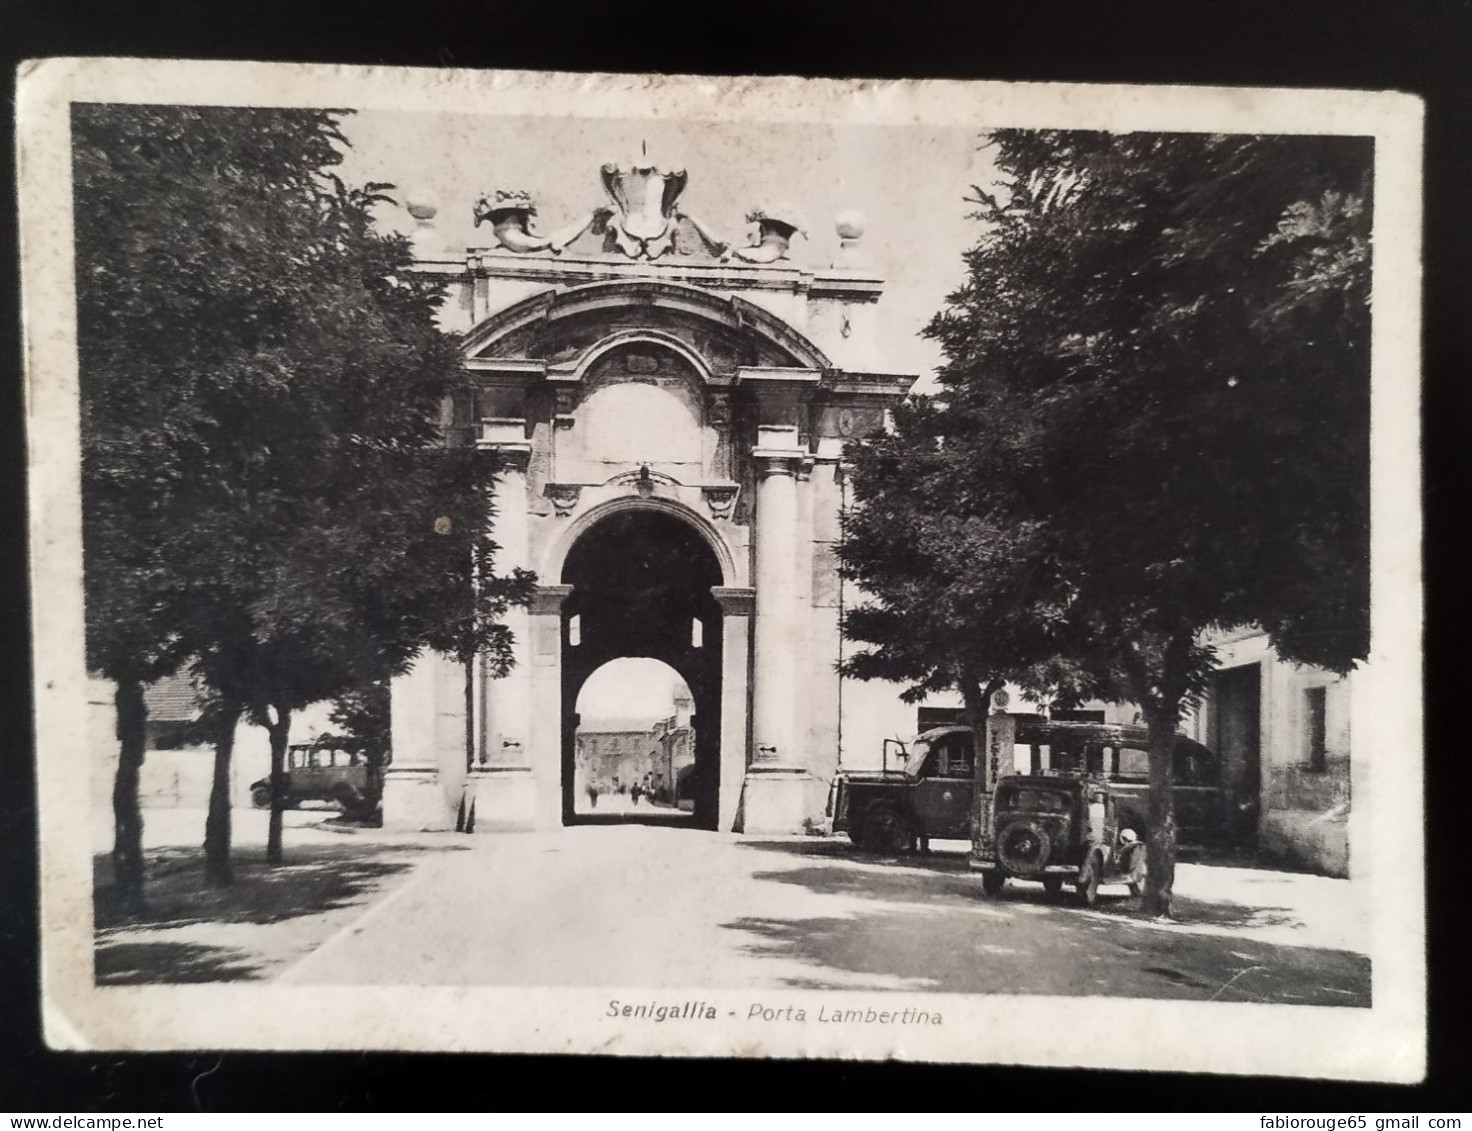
{"type": "Point", "coordinates": [638, 403]}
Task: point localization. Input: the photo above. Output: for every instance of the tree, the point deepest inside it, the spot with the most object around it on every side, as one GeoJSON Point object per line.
{"type": "Point", "coordinates": [1168, 338]}
{"type": "Point", "coordinates": [350, 530]}
{"type": "Point", "coordinates": [956, 596]}
{"type": "Point", "coordinates": [167, 290]}
{"type": "Point", "coordinates": [325, 518]}
{"type": "Point", "coordinates": [363, 713]}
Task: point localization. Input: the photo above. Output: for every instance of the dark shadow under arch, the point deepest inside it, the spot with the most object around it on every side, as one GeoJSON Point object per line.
{"type": "Point", "coordinates": [640, 578]}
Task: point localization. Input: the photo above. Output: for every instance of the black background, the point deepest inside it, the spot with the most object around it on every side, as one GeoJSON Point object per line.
{"type": "Point", "coordinates": [1420, 46]}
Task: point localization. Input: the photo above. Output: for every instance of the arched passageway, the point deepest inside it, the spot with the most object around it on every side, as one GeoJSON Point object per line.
{"type": "Point", "coordinates": [641, 587]}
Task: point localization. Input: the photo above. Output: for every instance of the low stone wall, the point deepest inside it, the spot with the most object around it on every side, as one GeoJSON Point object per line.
{"type": "Point", "coordinates": [1318, 841]}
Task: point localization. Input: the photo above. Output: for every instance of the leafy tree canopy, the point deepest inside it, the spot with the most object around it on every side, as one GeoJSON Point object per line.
{"type": "Point", "coordinates": [1170, 337]}
{"type": "Point", "coordinates": [263, 376]}
{"type": "Point", "coordinates": [278, 480]}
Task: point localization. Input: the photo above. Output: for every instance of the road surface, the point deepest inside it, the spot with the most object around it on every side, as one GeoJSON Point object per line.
{"type": "Point", "coordinates": [641, 906]}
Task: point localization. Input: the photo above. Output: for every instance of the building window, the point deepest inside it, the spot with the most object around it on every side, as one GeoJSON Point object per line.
{"type": "Point", "coordinates": [697, 633]}
{"type": "Point", "coordinates": [1315, 701]}
{"type": "Point", "coordinates": [574, 631]}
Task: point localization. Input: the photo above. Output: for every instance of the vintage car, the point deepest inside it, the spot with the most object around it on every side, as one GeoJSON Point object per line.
{"type": "Point", "coordinates": [317, 772]}
{"type": "Point", "coordinates": [1056, 829]}
{"type": "Point", "coordinates": [923, 789]}
{"type": "Point", "coordinates": [1206, 812]}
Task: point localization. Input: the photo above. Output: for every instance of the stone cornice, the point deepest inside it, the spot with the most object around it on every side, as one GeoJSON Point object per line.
{"type": "Point", "coordinates": [735, 600]}
{"type": "Point", "coordinates": [778, 461]}
{"type": "Point", "coordinates": [784, 379]}
{"type": "Point", "coordinates": [513, 457]}
{"type": "Point", "coordinates": [548, 599]}
{"type": "Point", "coordinates": [733, 275]}
{"type": "Point", "coordinates": [506, 370]}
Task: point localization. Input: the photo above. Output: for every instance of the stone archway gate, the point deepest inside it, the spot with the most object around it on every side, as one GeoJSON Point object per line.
{"type": "Point", "coordinates": [714, 388]}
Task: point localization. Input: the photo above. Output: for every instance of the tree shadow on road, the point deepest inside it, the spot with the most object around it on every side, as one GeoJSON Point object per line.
{"type": "Point", "coordinates": [160, 943]}
{"type": "Point", "coordinates": [841, 851]}
{"type": "Point", "coordinates": [1052, 953]}
{"type": "Point", "coordinates": [943, 875]}
{"type": "Point", "coordinates": [137, 963]}
{"type": "Point", "coordinates": [315, 878]}
{"type": "Point", "coordinates": [938, 931]}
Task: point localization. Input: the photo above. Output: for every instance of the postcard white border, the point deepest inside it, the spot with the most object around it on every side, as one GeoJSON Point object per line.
{"type": "Point", "coordinates": [1386, 1042]}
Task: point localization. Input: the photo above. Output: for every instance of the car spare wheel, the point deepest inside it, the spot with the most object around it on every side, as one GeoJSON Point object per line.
{"type": "Point", "coordinates": [260, 797]}
{"type": "Point", "coordinates": [886, 830]}
{"type": "Point", "coordinates": [1023, 847]}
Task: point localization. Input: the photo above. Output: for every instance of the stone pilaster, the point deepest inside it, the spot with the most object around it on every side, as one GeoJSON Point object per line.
{"type": "Point", "coordinates": [502, 786]}
{"type": "Point", "coordinates": [737, 605]}
{"type": "Point", "coordinates": [776, 641]}
{"type": "Point", "coordinates": [545, 730]}
{"type": "Point", "coordinates": [506, 699]}
{"type": "Point", "coordinates": [421, 786]}
{"type": "Point", "coordinates": [773, 795]}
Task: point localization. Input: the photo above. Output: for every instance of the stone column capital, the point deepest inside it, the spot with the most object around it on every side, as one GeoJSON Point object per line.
{"type": "Point", "coordinates": [777, 461]}
{"type": "Point", "coordinates": [547, 600]}
{"type": "Point", "coordinates": [735, 600]}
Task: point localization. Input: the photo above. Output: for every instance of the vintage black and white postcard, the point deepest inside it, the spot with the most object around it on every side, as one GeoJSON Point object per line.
{"type": "Point", "coordinates": [726, 566]}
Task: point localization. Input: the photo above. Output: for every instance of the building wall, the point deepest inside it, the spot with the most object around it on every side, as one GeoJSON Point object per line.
{"type": "Point", "coordinates": [1304, 807]}
{"type": "Point", "coordinates": [608, 759]}
{"type": "Point", "coordinates": [181, 779]}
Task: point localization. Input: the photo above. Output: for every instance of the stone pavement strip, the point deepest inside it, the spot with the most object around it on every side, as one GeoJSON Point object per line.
{"type": "Point", "coordinates": [664, 907]}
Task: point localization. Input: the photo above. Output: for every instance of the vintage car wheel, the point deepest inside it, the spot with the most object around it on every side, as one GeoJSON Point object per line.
{"type": "Point", "coordinates": [1052, 884]}
{"type": "Point", "coordinates": [260, 797]}
{"type": "Point", "coordinates": [1088, 882]}
{"type": "Point", "coordinates": [992, 882]}
{"type": "Point", "coordinates": [1023, 847]}
{"type": "Point", "coordinates": [886, 830]}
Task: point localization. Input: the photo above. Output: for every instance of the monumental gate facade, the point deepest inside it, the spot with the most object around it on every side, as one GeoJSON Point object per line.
{"type": "Point", "coordinates": [670, 408]}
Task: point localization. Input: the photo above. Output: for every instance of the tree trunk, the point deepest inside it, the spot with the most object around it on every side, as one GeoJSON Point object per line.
{"type": "Point", "coordinates": [127, 848]}
{"type": "Point", "coordinates": [1160, 848]}
{"type": "Point", "coordinates": [217, 866]}
{"type": "Point", "coordinates": [280, 732]}
{"type": "Point", "coordinates": [976, 701]}
{"type": "Point", "coordinates": [470, 714]}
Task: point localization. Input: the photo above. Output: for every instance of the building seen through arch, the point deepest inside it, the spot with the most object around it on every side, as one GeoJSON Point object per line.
{"type": "Point", "coordinates": [634, 747]}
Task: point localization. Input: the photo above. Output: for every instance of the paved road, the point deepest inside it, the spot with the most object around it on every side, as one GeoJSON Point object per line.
{"type": "Point", "coordinates": [641, 906]}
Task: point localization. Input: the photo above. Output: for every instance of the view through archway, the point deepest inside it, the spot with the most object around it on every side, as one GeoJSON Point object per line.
{"type": "Point", "coordinates": [634, 746]}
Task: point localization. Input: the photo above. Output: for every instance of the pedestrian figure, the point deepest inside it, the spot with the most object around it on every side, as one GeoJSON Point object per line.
{"type": "Point", "coordinates": [593, 795]}
{"type": "Point", "coordinates": [634, 792]}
